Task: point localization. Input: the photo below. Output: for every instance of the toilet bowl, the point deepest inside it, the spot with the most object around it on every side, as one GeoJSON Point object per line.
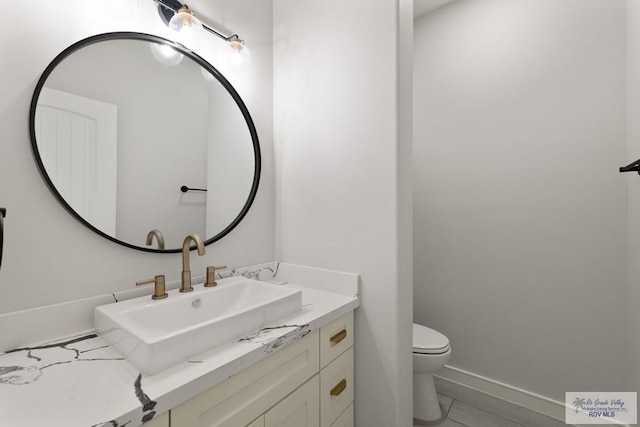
{"type": "Point", "coordinates": [431, 351]}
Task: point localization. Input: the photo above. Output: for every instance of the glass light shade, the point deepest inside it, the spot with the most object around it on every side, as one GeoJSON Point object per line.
{"type": "Point", "coordinates": [187, 29]}
{"type": "Point", "coordinates": [165, 54]}
{"type": "Point", "coordinates": [239, 55]}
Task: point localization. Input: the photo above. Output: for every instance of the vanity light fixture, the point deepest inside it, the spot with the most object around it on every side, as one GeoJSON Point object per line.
{"type": "Point", "coordinates": [188, 31]}
{"type": "Point", "coordinates": [186, 28]}
{"type": "Point", "coordinates": [239, 55]}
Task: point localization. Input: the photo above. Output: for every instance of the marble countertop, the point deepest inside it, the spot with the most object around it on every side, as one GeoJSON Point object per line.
{"type": "Point", "coordinates": [82, 381]}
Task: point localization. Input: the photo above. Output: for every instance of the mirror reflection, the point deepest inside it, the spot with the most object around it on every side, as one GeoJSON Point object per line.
{"type": "Point", "coordinates": [123, 125]}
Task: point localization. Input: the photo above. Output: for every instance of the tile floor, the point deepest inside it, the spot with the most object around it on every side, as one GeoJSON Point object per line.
{"type": "Point", "coordinates": [460, 414]}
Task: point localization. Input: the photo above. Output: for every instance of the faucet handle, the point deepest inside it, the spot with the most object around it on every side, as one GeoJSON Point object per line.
{"type": "Point", "coordinates": [211, 276]}
{"type": "Point", "coordinates": [159, 282]}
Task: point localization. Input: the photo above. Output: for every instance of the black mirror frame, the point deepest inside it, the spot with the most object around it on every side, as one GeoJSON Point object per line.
{"type": "Point", "coordinates": [200, 61]}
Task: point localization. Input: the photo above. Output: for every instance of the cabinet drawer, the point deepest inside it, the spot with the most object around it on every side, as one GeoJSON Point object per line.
{"type": "Point", "coordinates": [257, 423]}
{"type": "Point", "coordinates": [346, 419]}
{"type": "Point", "coordinates": [242, 398]}
{"type": "Point", "coordinates": [300, 409]}
{"type": "Point", "coordinates": [336, 338]}
{"type": "Point", "coordinates": [336, 388]}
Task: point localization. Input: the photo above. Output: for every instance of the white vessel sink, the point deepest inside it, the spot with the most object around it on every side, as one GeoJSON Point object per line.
{"type": "Point", "coordinates": [155, 335]}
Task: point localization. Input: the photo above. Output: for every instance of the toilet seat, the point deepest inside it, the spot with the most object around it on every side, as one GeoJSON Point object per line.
{"type": "Point", "coordinates": [428, 341]}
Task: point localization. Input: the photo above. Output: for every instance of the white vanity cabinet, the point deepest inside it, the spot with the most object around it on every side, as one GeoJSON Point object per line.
{"type": "Point", "coordinates": [300, 409]}
{"type": "Point", "coordinates": [257, 423]}
{"type": "Point", "coordinates": [160, 421]}
{"type": "Point", "coordinates": [308, 383]}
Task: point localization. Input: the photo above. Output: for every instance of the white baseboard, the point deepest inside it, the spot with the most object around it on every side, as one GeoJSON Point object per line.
{"type": "Point", "coordinates": [534, 406]}
{"type": "Point", "coordinates": [532, 401]}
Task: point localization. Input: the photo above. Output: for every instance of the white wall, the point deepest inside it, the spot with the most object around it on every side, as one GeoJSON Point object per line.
{"type": "Point", "coordinates": [520, 222]}
{"type": "Point", "coordinates": [48, 256]}
{"type": "Point", "coordinates": [341, 190]}
{"type": "Point", "coordinates": [633, 152]}
{"type": "Point", "coordinates": [404, 212]}
{"type": "Point", "coordinates": [420, 7]}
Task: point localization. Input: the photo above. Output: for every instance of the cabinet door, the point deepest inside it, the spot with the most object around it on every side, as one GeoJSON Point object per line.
{"type": "Point", "coordinates": [160, 421]}
{"type": "Point", "coordinates": [245, 396]}
{"type": "Point", "coordinates": [300, 409]}
{"type": "Point", "coordinates": [257, 423]}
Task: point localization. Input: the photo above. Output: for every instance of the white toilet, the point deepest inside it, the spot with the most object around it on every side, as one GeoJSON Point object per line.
{"type": "Point", "coordinates": [431, 351]}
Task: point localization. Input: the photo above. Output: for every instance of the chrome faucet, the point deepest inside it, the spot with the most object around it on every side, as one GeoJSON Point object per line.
{"type": "Point", "coordinates": [186, 267]}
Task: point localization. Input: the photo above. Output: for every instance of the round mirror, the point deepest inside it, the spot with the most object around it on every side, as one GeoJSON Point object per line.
{"type": "Point", "coordinates": [144, 142]}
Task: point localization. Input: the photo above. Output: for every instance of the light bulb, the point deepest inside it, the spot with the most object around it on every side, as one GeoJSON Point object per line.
{"type": "Point", "coordinates": [239, 55]}
{"type": "Point", "coordinates": [165, 54]}
{"type": "Point", "coordinates": [187, 29]}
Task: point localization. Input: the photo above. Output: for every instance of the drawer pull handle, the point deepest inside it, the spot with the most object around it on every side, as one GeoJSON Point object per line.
{"type": "Point", "coordinates": [338, 337]}
{"type": "Point", "coordinates": [337, 390]}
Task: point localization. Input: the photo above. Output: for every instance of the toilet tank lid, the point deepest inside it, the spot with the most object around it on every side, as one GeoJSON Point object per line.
{"type": "Point", "coordinates": [427, 339]}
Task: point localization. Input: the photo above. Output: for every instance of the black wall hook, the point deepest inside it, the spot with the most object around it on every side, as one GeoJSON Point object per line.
{"type": "Point", "coordinates": [632, 167]}
{"type": "Point", "coordinates": [3, 213]}
{"type": "Point", "coordinates": [184, 189]}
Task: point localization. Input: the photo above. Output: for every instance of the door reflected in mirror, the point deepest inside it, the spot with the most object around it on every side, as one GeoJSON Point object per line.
{"type": "Point", "coordinates": [120, 122]}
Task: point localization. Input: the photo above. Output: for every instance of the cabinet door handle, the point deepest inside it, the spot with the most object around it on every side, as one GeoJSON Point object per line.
{"type": "Point", "coordinates": [338, 337]}
{"type": "Point", "coordinates": [338, 389]}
